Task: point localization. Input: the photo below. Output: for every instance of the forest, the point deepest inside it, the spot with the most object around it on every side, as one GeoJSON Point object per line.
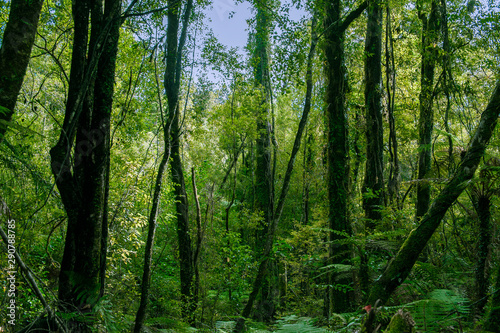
{"type": "Point", "coordinates": [339, 172]}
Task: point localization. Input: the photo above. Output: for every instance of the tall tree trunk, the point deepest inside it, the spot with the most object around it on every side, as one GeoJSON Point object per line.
{"type": "Point", "coordinates": [430, 32]}
{"type": "Point", "coordinates": [338, 156]}
{"type": "Point", "coordinates": [400, 266]}
{"type": "Point", "coordinates": [199, 240]}
{"type": "Point", "coordinates": [338, 151]}
{"type": "Point", "coordinates": [172, 84]}
{"type": "Point", "coordinates": [373, 186]}
{"type": "Point", "coordinates": [263, 175]}
{"type": "Point", "coordinates": [373, 197]}
{"type": "Point", "coordinates": [308, 168]}
{"type": "Point", "coordinates": [17, 41]}
{"type": "Point", "coordinates": [394, 173]}
{"type": "Point", "coordinates": [83, 180]}
{"type": "Point", "coordinates": [264, 200]}
{"type": "Point", "coordinates": [148, 252]}
{"type": "Point", "coordinates": [447, 82]}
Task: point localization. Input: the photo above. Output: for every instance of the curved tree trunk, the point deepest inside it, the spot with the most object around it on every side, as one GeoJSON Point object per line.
{"type": "Point", "coordinates": [400, 266]}
{"type": "Point", "coordinates": [171, 137]}
{"type": "Point", "coordinates": [393, 183]}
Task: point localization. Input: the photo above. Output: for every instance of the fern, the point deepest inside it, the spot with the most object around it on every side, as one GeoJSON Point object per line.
{"type": "Point", "coordinates": [443, 308]}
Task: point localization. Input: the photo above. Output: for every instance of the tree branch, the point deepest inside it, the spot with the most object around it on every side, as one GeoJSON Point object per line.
{"type": "Point", "coordinates": [157, 10]}
{"type": "Point", "coordinates": [353, 15]}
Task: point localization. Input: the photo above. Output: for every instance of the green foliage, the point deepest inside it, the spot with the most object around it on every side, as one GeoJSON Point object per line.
{"type": "Point", "coordinates": [443, 309]}
{"type": "Point", "coordinates": [218, 119]}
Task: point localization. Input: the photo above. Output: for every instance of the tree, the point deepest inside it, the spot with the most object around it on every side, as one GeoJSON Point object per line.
{"type": "Point", "coordinates": [80, 158]}
{"type": "Point", "coordinates": [175, 46]}
{"type": "Point", "coordinates": [481, 193]}
{"type": "Point", "coordinates": [373, 186]}
{"type": "Point", "coordinates": [400, 266]}
{"type": "Point", "coordinates": [430, 33]}
{"type": "Point", "coordinates": [15, 52]}
{"type": "Point", "coordinates": [264, 189]}
{"type": "Point", "coordinates": [338, 151]}
{"type": "Point", "coordinates": [393, 181]}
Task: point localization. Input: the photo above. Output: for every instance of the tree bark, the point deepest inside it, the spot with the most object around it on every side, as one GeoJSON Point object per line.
{"type": "Point", "coordinates": [308, 168]}
{"type": "Point", "coordinates": [173, 71]}
{"type": "Point", "coordinates": [264, 200]}
{"type": "Point", "coordinates": [148, 252]}
{"type": "Point", "coordinates": [373, 185]}
{"type": "Point", "coordinates": [430, 31]}
{"type": "Point", "coordinates": [264, 193]}
{"type": "Point", "coordinates": [394, 172]}
{"type": "Point", "coordinates": [447, 82]}
{"type": "Point", "coordinates": [199, 238]}
{"type": "Point", "coordinates": [338, 150]}
{"type": "Point", "coordinates": [83, 180]}
{"type": "Point", "coordinates": [17, 42]}
{"type": "Point", "coordinates": [373, 197]}
{"type": "Point", "coordinates": [400, 266]}
{"type": "Point", "coordinates": [171, 137]}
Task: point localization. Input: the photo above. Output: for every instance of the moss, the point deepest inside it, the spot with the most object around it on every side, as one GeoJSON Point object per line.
{"type": "Point", "coordinates": [401, 322]}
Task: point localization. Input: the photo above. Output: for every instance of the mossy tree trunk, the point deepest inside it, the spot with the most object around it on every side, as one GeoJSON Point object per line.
{"type": "Point", "coordinates": [338, 150]}
{"type": "Point", "coordinates": [373, 198]}
{"type": "Point", "coordinates": [394, 179]}
{"type": "Point", "coordinates": [430, 31]}
{"type": "Point", "coordinates": [373, 185]}
{"type": "Point", "coordinates": [264, 194]}
{"type": "Point", "coordinates": [148, 252]}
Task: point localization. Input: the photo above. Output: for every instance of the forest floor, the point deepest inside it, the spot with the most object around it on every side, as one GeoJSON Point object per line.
{"type": "Point", "coordinates": [289, 324]}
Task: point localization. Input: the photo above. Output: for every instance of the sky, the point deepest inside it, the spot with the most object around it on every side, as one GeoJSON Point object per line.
{"type": "Point", "coordinates": [228, 22]}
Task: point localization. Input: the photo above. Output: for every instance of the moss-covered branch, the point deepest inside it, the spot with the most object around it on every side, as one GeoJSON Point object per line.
{"type": "Point", "coordinates": [401, 265]}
